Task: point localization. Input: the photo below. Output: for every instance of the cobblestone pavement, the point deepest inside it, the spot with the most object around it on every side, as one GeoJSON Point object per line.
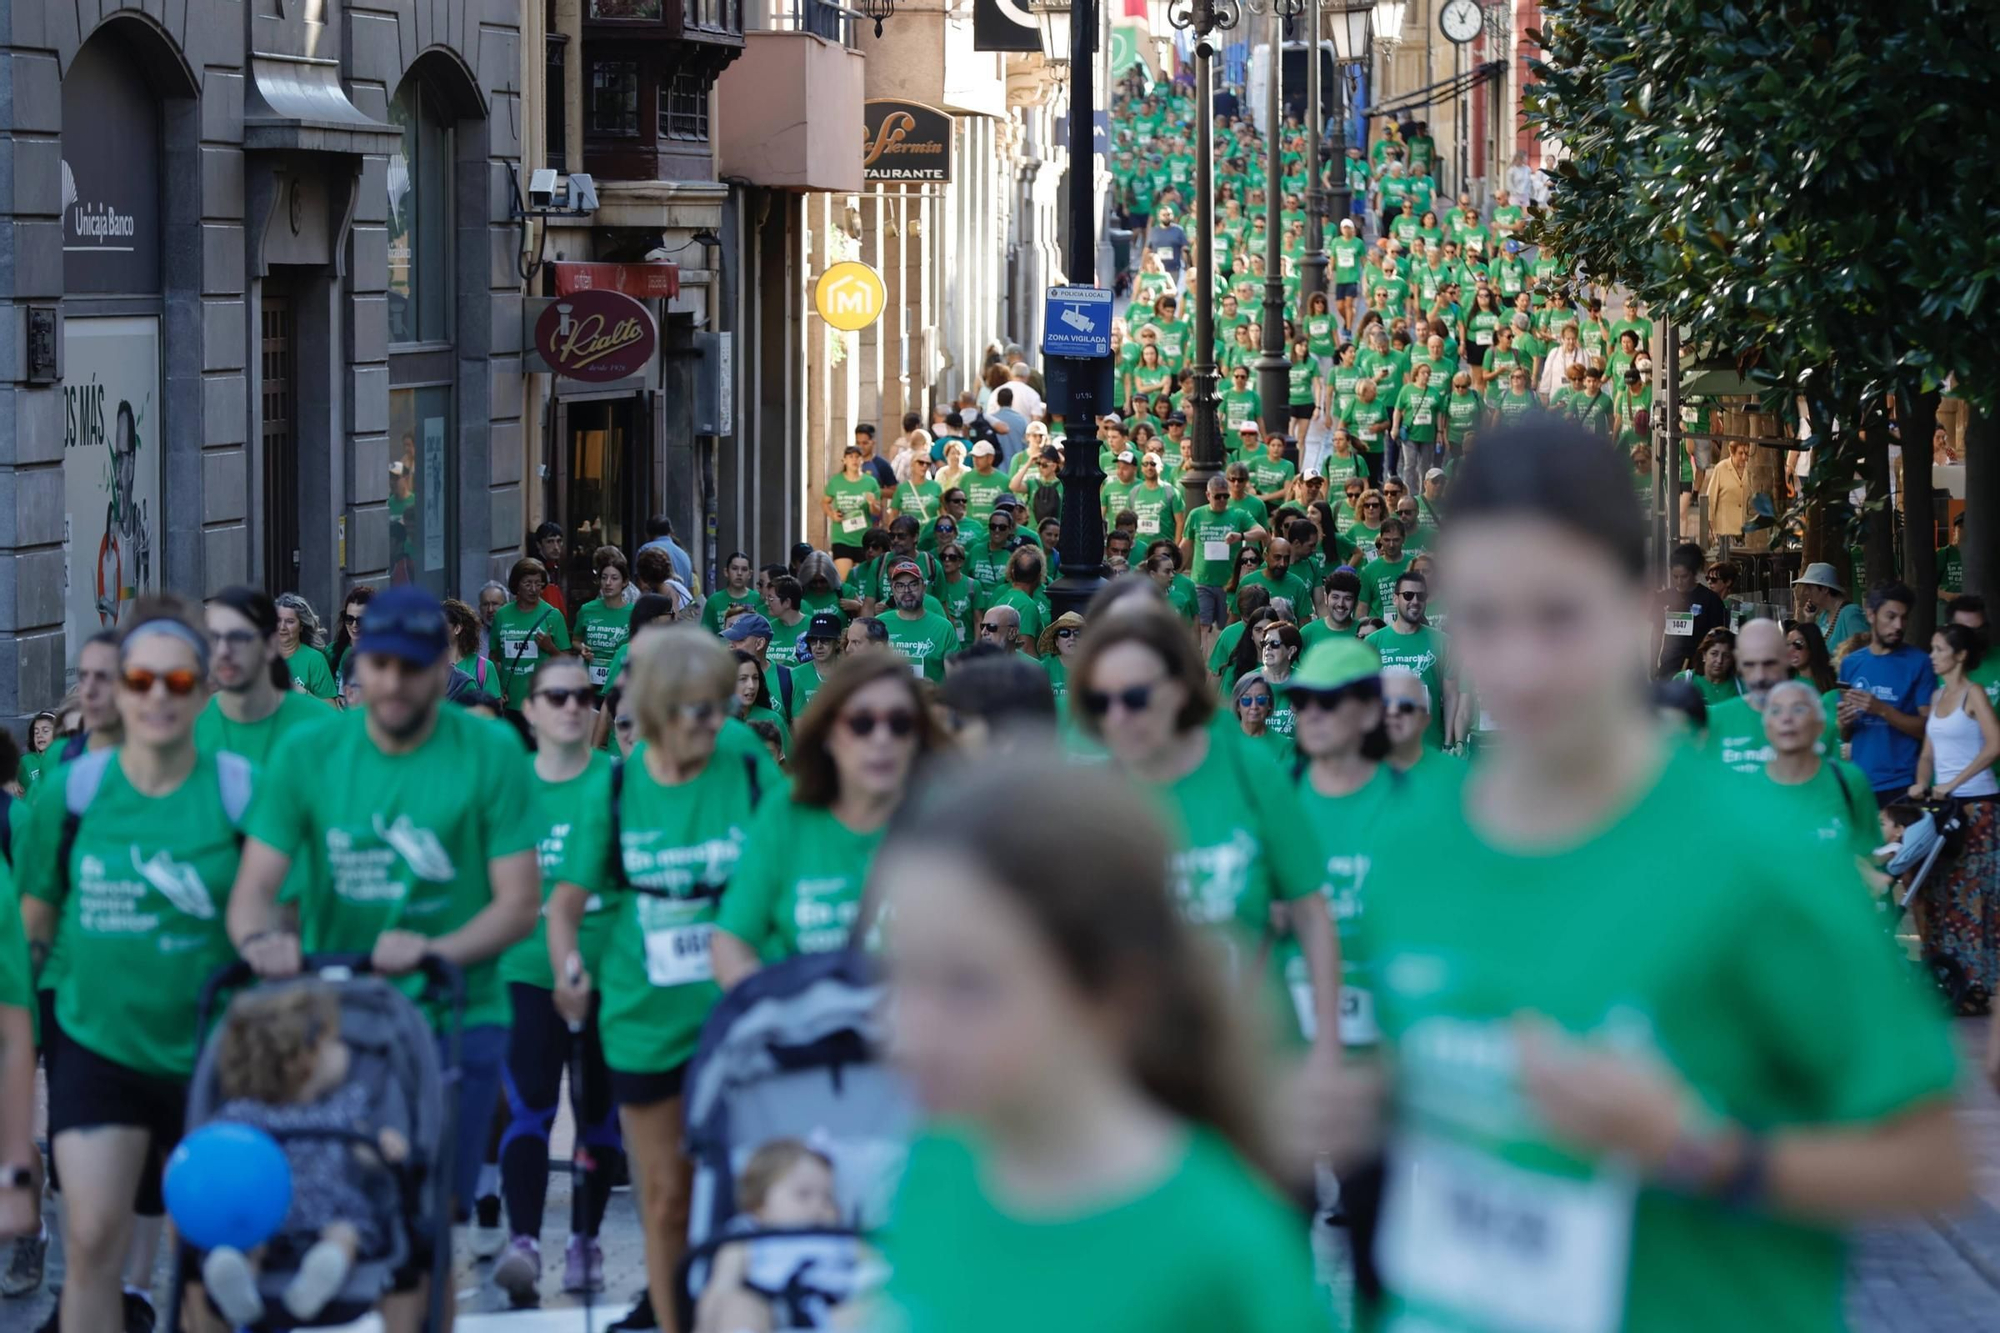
{"type": "Point", "coordinates": [1938, 1275]}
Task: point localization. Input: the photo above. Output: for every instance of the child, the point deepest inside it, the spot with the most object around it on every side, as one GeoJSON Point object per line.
{"type": "Point", "coordinates": [784, 1186]}
{"type": "Point", "coordinates": [283, 1068]}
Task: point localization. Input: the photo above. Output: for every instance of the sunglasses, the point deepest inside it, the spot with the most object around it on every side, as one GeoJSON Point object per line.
{"type": "Point", "coordinates": [1133, 699]}
{"type": "Point", "coordinates": [1066, 632]}
{"type": "Point", "coordinates": [900, 722]}
{"type": "Point", "coordinates": [1256, 701]}
{"type": "Point", "coordinates": [1305, 699]}
{"type": "Point", "coordinates": [1406, 707]}
{"type": "Point", "coordinates": [1411, 596]}
{"type": "Point", "coordinates": [622, 725]}
{"type": "Point", "coordinates": [350, 619]}
{"type": "Point", "coordinates": [562, 698]}
{"type": "Point", "coordinates": [1796, 644]}
{"type": "Point", "coordinates": [953, 559]}
{"type": "Point", "coordinates": [990, 627]}
{"type": "Point", "coordinates": [179, 682]}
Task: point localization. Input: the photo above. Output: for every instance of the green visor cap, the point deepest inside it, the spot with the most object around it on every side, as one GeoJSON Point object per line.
{"type": "Point", "coordinates": [1332, 663]}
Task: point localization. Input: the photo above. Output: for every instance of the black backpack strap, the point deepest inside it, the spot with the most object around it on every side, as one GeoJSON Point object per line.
{"type": "Point", "coordinates": [756, 784]}
{"type": "Point", "coordinates": [6, 826]}
{"type": "Point", "coordinates": [618, 824]}
{"type": "Point", "coordinates": [785, 697]}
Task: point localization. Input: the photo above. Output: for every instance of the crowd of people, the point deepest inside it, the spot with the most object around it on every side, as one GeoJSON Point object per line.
{"type": "Point", "coordinates": [1249, 894]}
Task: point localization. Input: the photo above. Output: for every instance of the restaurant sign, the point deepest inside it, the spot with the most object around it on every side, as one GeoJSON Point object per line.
{"type": "Point", "coordinates": [596, 335]}
{"type": "Point", "coordinates": [905, 141]}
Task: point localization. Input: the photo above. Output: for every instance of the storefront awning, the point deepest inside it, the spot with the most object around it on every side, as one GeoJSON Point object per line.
{"type": "Point", "coordinates": [296, 104]}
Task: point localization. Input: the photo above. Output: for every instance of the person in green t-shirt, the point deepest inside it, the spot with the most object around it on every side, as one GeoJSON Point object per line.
{"type": "Point", "coordinates": [797, 889]}
{"type": "Point", "coordinates": [1580, 1078]}
{"type": "Point", "coordinates": [605, 622]}
{"type": "Point", "coordinates": [851, 501]}
{"type": "Point", "coordinates": [919, 497]}
{"type": "Point", "coordinates": [737, 574]}
{"type": "Point", "coordinates": [413, 821]}
{"type": "Point", "coordinates": [1830, 798]}
{"type": "Point", "coordinates": [1239, 401]}
{"type": "Point", "coordinates": [922, 636]}
{"type": "Point", "coordinates": [657, 846]}
{"type": "Point", "coordinates": [1389, 563]}
{"type": "Point", "coordinates": [1410, 642]}
{"type": "Point", "coordinates": [20, 1200]}
{"type": "Point", "coordinates": [299, 640]}
{"type": "Point", "coordinates": [525, 630]}
{"type": "Point", "coordinates": [254, 703]}
{"type": "Point", "coordinates": [571, 785]}
{"type": "Point", "coordinates": [1271, 473]}
{"type": "Point", "coordinates": [1103, 1248]}
{"type": "Point", "coordinates": [1418, 410]}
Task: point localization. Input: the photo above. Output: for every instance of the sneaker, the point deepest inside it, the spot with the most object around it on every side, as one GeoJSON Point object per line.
{"type": "Point", "coordinates": [24, 1268]}
{"type": "Point", "coordinates": [231, 1283]}
{"type": "Point", "coordinates": [139, 1316]}
{"type": "Point", "coordinates": [641, 1316]}
{"type": "Point", "coordinates": [488, 1236]}
{"type": "Point", "coordinates": [583, 1266]}
{"type": "Point", "coordinates": [519, 1271]}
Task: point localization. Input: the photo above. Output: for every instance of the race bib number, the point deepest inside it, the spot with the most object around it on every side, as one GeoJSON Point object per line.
{"type": "Point", "coordinates": [1357, 1017]}
{"type": "Point", "coordinates": [1680, 625]}
{"type": "Point", "coordinates": [1214, 550]}
{"type": "Point", "coordinates": [1498, 1246]}
{"type": "Point", "coordinates": [678, 955]}
{"type": "Point", "coordinates": [599, 673]}
{"type": "Point", "coordinates": [1484, 337]}
{"type": "Point", "coordinates": [1344, 260]}
{"type": "Point", "coordinates": [1165, 253]}
{"type": "Point", "coordinates": [854, 523]}
{"type": "Point", "coordinates": [1148, 525]}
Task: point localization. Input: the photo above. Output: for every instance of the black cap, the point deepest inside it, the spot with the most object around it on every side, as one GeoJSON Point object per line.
{"type": "Point", "coordinates": [1177, 418]}
{"type": "Point", "coordinates": [823, 625]}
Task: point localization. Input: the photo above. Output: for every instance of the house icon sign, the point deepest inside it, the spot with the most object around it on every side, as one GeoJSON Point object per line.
{"type": "Point", "coordinates": [850, 296]}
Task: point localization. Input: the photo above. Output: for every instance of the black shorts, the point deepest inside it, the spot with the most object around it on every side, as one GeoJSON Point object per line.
{"type": "Point", "coordinates": [842, 551]}
{"type": "Point", "coordinates": [1346, 291]}
{"type": "Point", "coordinates": [87, 1091]}
{"type": "Point", "coordinates": [647, 1089]}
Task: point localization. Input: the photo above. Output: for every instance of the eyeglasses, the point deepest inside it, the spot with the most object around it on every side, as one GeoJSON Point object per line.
{"type": "Point", "coordinates": [1796, 645]}
{"type": "Point", "coordinates": [1256, 701]}
{"type": "Point", "coordinates": [562, 698]}
{"type": "Point", "coordinates": [900, 722]}
{"type": "Point", "coordinates": [179, 682]}
{"type": "Point", "coordinates": [233, 638]}
{"type": "Point", "coordinates": [1133, 699]}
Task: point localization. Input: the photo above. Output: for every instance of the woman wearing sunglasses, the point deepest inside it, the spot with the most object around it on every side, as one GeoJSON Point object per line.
{"type": "Point", "coordinates": [127, 864]}
{"type": "Point", "coordinates": [1058, 645]}
{"type": "Point", "coordinates": [1139, 688]}
{"type": "Point", "coordinates": [1251, 699]}
{"type": "Point", "coordinates": [571, 781]}
{"type": "Point", "coordinates": [658, 843]}
{"type": "Point", "coordinates": [798, 889]}
{"type": "Point", "coordinates": [1645, 1069]}
{"type": "Point", "coordinates": [1278, 649]}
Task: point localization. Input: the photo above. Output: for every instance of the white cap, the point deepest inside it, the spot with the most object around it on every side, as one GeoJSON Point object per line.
{"type": "Point", "coordinates": [1312, 474]}
{"type": "Point", "coordinates": [1247, 428]}
{"type": "Point", "coordinates": [983, 447]}
{"type": "Point", "coordinates": [1435, 474]}
{"type": "Point", "coordinates": [1126, 457]}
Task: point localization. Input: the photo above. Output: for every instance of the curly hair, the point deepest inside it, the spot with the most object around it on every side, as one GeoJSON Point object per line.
{"type": "Point", "coordinates": [270, 1041]}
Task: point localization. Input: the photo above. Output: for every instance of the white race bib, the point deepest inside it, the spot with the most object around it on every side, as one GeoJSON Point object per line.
{"type": "Point", "coordinates": [854, 523]}
{"type": "Point", "coordinates": [1357, 1017]}
{"type": "Point", "coordinates": [1149, 524]}
{"type": "Point", "coordinates": [678, 955]}
{"type": "Point", "coordinates": [1680, 625]}
{"type": "Point", "coordinates": [1499, 1246]}
{"type": "Point", "coordinates": [1214, 549]}
{"type": "Point", "coordinates": [1484, 337]}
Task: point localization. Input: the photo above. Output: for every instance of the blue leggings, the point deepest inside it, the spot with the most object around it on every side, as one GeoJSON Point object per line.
{"type": "Point", "coordinates": [539, 1050]}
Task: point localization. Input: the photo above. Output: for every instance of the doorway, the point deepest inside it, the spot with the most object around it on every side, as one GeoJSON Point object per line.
{"type": "Point", "coordinates": [278, 359]}
{"type": "Point", "coordinates": [602, 482]}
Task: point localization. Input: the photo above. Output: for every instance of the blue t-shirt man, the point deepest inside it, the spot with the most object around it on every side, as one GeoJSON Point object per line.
{"type": "Point", "coordinates": [1900, 677]}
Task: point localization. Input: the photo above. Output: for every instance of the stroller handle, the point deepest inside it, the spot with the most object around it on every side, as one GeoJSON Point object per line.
{"type": "Point", "coordinates": [444, 983]}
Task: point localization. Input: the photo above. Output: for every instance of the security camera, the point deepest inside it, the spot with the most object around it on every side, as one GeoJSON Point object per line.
{"type": "Point", "coordinates": [542, 187]}
{"type": "Point", "coordinates": [582, 193]}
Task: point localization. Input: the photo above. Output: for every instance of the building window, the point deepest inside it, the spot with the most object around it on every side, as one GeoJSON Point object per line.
{"type": "Point", "coordinates": [419, 485]}
{"type": "Point", "coordinates": [555, 125]}
{"type": "Point", "coordinates": [420, 220]}
{"type": "Point", "coordinates": [614, 97]}
{"type": "Point", "coordinates": [615, 10]}
{"type": "Point", "coordinates": [684, 110]}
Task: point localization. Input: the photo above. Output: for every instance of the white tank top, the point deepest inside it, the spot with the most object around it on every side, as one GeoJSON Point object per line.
{"type": "Point", "coordinates": [1955, 742]}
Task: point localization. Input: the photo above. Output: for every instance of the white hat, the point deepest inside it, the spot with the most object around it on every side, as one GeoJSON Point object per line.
{"type": "Point", "coordinates": [983, 447]}
{"type": "Point", "coordinates": [1821, 575]}
{"type": "Point", "coordinates": [1037, 428]}
{"type": "Point", "coordinates": [1435, 474]}
{"type": "Point", "coordinates": [1312, 474]}
{"type": "Point", "coordinates": [1247, 428]}
{"type": "Point", "coordinates": [1126, 457]}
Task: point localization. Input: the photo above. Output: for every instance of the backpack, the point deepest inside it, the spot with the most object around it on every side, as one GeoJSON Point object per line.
{"type": "Point", "coordinates": [82, 779]}
{"type": "Point", "coordinates": [618, 826]}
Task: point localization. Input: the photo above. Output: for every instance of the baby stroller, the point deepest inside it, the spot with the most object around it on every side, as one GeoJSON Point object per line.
{"type": "Point", "coordinates": [396, 1057]}
{"type": "Point", "coordinates": [794, 1052]}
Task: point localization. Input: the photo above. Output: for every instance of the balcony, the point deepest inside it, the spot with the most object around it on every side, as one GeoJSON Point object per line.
{"type": "Point", "coordinates": [790, 109]}
{"type": "Point", "coordinates": [649, 74]}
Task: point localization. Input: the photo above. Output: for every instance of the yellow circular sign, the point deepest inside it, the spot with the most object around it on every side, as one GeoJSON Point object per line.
{"type": "Point", "coordinates": [850, 296]}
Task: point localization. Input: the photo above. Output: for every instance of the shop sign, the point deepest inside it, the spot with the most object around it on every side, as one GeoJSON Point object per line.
{"type": "Point", "coordinates": [111, 466]}
{"type": "Point", "coordinates": [905, 141]}
{"type": "Point", "coordinates": [1004, 25]}
{"type": "Point", "coordinates": [110, 175]}
{"type": "Point", "coordinates": [645, 281]}
{"type": "Point", "coordinates": [596, 336]}
{"type": "Point", "coordinates": [850, 295]}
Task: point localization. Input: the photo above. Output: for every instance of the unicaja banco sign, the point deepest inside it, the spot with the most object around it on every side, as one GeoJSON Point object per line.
{"type": "Point", "coordinates": [905, 141]}
{"type": "Point", "coordinates": [595, 335]}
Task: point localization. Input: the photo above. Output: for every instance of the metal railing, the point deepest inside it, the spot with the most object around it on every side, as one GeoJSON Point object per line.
{"type": "Point", "coordinates": [834, 22]}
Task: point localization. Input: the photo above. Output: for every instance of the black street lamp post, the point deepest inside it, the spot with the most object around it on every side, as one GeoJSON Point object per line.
{"type": "Point", "coordinates": [1273, 365]}
{"type": "Point", "coordinates": [1349, 30]}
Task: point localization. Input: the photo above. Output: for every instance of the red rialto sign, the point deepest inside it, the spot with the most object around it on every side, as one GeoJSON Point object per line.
{"type": "Point", "coordinates": [645, 281]}
{"type": "Point", "coordinates": [597, 336]}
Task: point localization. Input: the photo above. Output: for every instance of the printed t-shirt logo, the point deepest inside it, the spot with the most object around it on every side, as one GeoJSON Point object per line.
{"type": "Point", "coordinates": [419, 848]}
{"type": "Point", "coordinates": [177, 882]}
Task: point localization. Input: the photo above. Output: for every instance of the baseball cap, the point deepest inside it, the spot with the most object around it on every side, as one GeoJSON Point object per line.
{"type": "Point", "coordinates": [983, 447]}
{"type": "Point", "coordinates": [1818, 575]}
{"type": "Point", "coordinates": [1248, 428]}
{"type": "Point", "coordinates": [1332, 663]}
{"type": "Point", "coordinates": [1126, 457]}
{"type": "Point", "coordinates": [752, 626]}
{"type": "Point", "coordinates": [823, 625]}
{"type": "Point", "coordinates": [1038, 428]}
{"type": "Point", "coordinates": [1435, 474]}
{"type": "Point", "coordinates": [903, 567]}
{"type": "Point", "coordinates": [1177, 418]}
{"type": "Point", "coordinates": [1312, 474]}
{"type": "Point", "coordinates": [404, 622]}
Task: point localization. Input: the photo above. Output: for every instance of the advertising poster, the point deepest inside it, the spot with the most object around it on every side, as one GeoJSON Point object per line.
{"type": "Point", "coordinates": [111, 467]}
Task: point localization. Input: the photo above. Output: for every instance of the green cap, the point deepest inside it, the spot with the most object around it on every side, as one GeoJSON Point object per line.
{"type": "Point", "coordinates": [1332, 663]}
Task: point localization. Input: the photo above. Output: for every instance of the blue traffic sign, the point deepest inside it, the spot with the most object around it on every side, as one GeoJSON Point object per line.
{"type": "Point", "coordinates": [1077, 322]}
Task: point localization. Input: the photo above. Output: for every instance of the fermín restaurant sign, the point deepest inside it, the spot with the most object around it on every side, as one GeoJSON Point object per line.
{"type": "Point", "coordinates": [905, 141]}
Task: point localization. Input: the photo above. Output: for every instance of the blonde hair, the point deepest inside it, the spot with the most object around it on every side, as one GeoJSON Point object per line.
{"type": "Point", "coordinates": [768, 1165]}
{"type": "Point", "coordinates": [669, 665]}
{"type": "Point", "coordinates": [270, 1041]}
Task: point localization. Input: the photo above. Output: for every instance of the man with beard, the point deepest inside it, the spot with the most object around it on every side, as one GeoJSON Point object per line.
{"type": "Point", "coordinates": [1409, 642]}
{"type": "Point", "coordinates": [254, 702]}
{"type": "Point", "coordinates": [1001, 627]}
{"type": "Point", "coordinates": [1736, 726]}
{"type": "Point", "coordinates": [1886, 696]}
{"type": "Point", "coordinates": [1341, 591]}
{"type": "Point", "coordinates": [923, 636]}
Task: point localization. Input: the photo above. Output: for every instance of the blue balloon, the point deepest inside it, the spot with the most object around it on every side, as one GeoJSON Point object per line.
{"type": "Point", "coordinates": [228, 1184]}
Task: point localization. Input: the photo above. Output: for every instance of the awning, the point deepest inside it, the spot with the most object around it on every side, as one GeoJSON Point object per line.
{"type": "Point", "coordinates": [643, 281]}
{"type": "Point", "coordinates": [295, 103]}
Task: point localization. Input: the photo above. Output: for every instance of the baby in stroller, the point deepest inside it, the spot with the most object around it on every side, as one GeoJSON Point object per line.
{"type": "Point", "coordinates": [282, 1066]}
{"type": "Point", "coordinates": [785, 1186]}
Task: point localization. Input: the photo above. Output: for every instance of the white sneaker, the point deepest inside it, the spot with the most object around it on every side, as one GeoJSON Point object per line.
{"type": "Point", "coordinates": [232, 1284]}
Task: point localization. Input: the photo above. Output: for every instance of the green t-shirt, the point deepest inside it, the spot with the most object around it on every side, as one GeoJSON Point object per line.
{"type": "Point", "coordinates": [1835, 805]}
{"type": "Point", "coordinates": [515, 651]}
{"type": "Point", "coordinates": [1238, 407]}
{"type": "Point", "coordinates": [960, 599]}
{"type": "Point", "coordinates": [1156, 506]}
{"type": "Point", "coordinates": [981, 491]}
{"type": "Point", "coordinates": [1378, 582]}
{"type": "Point", "coordinates": [788, 648]}
{"type": "Point", "coordinates": [1129, 1264]}
{"type": "Point", "coordinates": [1424, 653]}
{"type": "Point", "coordinates": [1268, 474]}
{"type": "Point", "coordinates": [924, 642]}
{"type": "Point", "coordinates": [1421, 409]}
{"type": "Point", "coordinates": [680, 847]}
{"type": "Point", "coordinates": [798, 887]}
{"type": "Point", "coordinates": [255, 740]}
{"type": "Point", "coordinates": [718, 604]}
{"type": "Point", "coordinates": [854, 502]}
{"type": "Point", "coordinates": [559, 808]}
{"type": "Point", "coordinates": [402, 841]}
{"type": "Point", "coordinates": [311, 672]}
{"type": "Point", "coordinates": [1344, 828]}
{"type": "Point", "coordinates": [141, 906]}
{"type": "Point", "coordinates": [604, 629]}
{"type": "Point", "coordinates": [1722, 975]}
{"type": "Point", "coordinates": [1368, 423]}
{"type": "Point", "coordinates": [918, 498]}
{"type": "Point", "coordinates": [1287, 585]}
{"type": "Point", "coordinates": [1461, 415]}
{"type": "Point", "coordinates": [17, 989]}
{"type": "Point", "coordinates": [1214, 553]}
{"type": "Point", "coordinates": [1347, 259]}
{"type": "Point", "coordinates": [1713, 693]}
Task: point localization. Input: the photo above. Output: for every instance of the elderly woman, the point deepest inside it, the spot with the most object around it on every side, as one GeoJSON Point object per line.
{"type": "Point", "coordinates": [1252, 700]}
{"type": "Point", "coordinates": [1728, 492]}
{"type": "Point", "coordinates": [1717, 679]}
{"type": "Point", "coordinates": [299, 640]}
{"type": "Point", "coordinates": [1058, 643]}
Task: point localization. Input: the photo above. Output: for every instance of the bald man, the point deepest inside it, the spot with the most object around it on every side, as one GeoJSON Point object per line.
{"type": "Point", "coordinates": [1736, 727]}
{"type": "Point", "coordinates": [1001, 627]}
